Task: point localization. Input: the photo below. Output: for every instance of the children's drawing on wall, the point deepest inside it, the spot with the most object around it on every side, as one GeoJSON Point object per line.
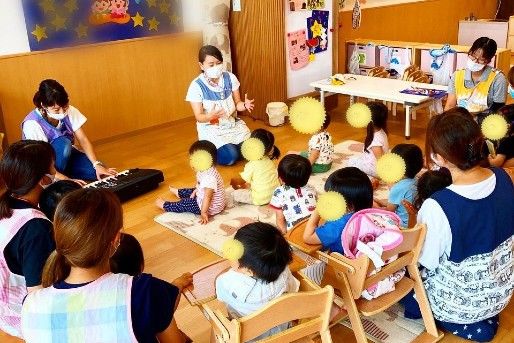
{"type": "Point", "coordinates": [298, 50]}
{"type": "Point", "coordinates": [297, 5]}
{"type": "Point", "coordinates": [315, 4]}
{"type": "Point", "coordinates": [109, 11]}
{"type": "Point", "coordinates": [317, 28]}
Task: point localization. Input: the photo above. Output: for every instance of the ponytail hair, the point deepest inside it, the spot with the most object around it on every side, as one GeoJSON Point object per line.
{"type": "Point", "coordinates": [23, 165]}
{"type": "Point", "coordinates": [379, 113]}
{"type": "Point", "coordinates": [50, 93]}
{"type": "Point", "coordinates": [86, 223]}
{"type": "Point", "coordinates": [56, 268]}
{"type": "Point", "coordinates": [268, 139]}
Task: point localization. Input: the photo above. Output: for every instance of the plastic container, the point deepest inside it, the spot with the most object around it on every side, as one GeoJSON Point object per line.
{"type": "Point", "coordinates": [277, 112]}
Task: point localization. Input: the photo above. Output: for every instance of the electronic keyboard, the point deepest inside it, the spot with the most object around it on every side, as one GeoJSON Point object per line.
{"type": "Point", "coordinates": [130, 183]}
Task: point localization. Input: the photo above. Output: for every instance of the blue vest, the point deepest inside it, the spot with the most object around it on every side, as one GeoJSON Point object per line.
{"type": "Point", "coordinates": [479, 226]}
{"type": "Point", "coordinates": [209, 94]}
{"type": "Point", "coordinates": [51, 132]}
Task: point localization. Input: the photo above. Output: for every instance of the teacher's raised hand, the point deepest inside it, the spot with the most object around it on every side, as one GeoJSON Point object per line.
{"type": "Point", "coordinates": [248, 103]}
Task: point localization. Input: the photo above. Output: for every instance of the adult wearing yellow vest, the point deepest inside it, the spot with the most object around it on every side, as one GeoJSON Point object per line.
{"type": "Point", "coordinates": [479, 88]}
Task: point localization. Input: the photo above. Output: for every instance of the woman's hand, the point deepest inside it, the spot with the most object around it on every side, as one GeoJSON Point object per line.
{"type": "Point", "coordinates": [215, 114]}
{"type": "Point", "coordinates": [82, 183]}
{"type": "Point", "coordinates": [248, 104]}
{"type": "Point", "coordinates": [104, 171]}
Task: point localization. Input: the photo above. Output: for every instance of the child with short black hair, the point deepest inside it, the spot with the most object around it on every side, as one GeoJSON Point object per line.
{"type": "Point", "coordinates": [128, 258]}
{"type": "Point", "coordinates": [321, 149]}
{"type": "Point", "coordinates": [355, 186]}
{"type": "Point", "coordinates": [405, 189]}
{"type": "Point", "coordinates": [430, 182]}
{"type": "Point", "coordinates": [259, 178]}
{"type": "Point", "coordinates": [376, 143]}
{"type": "Point", "coordinates": [294, 200]}
{"type": "Point", "coordinates": [260, 275]}
{"type": "Point", "coordinates": [53, 194]}
{"type": "Point", "coordinates": [207, 198]}
{"type": "Point", "coordinates": [505, 151]}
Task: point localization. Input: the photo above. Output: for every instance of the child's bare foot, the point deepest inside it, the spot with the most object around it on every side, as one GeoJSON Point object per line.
{"type": "Point", "coordinates": [159, 202]}
{"type": "Point", "coordinates": [174, 191]}
{"type": "Point", "coordinates": [183, 281]}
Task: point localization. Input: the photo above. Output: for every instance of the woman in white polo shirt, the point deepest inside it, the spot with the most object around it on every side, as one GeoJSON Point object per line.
{"type": "Point", "coordinates": [55, 121]}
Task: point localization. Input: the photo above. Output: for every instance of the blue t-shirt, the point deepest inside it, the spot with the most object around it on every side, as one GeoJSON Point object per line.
{"type": "Point", "coordinates": [330, 233]}
{"type": "Point", "coordinates": [152, 303]}
{"type": "Point", "coordinates": [403, 189]}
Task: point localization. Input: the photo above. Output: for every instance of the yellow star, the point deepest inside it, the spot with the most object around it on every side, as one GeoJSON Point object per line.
{"type": "Point", "coordinates": [81, 30]}
{"type": "Point", "coordinates": [151, 3]}
{"type": "Point", "coordinates": [164, 6]}
{"type": "Point", "coordinates": [59, 23]}
{"type": "Point", "coordinates": [312, 57]}
{"type": "Point", "coordinates": [138, 19]}
{"type": "Point", "coordinates": [174, 19]}
{"type": "Point", "coordinates": [47, 5]}
{"type": "Point", "coordinates": [71, 5]}
{"type": "Point", "coordinates": [317, 29]}
{"type": "Point", "coordinates": [154, 23]}
{"type": "Point", "coordinates": [39, 33]}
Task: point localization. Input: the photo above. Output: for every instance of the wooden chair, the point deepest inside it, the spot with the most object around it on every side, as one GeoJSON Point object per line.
{"type": "Point", "coordinates": [412, 212]}
{"type": "Point", "coordinates": [310, 307]}
{"type": "Point", "coordinates": [376, 70]}
{"type": "Point", "coordinates": [350, 277]}
{"type": "Point", "coordinates": [408, 71]}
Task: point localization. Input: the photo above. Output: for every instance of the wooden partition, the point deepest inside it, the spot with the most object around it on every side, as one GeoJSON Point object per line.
{"type": "Point", "coordinates": [425, 21]}
{"type": "Point", "coordinates": [120, 86]}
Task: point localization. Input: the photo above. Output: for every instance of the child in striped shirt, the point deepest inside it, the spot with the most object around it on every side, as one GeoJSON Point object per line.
{"type": "Point", "coordinates": [207, 198]}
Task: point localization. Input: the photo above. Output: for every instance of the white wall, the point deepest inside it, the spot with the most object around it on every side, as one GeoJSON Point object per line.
{"type": "Point", "coordinates": [348, 4]}
{"type": "Point", "coordinates": [13, 33]}
{"type": "Point", "coordinates": [14, 36]}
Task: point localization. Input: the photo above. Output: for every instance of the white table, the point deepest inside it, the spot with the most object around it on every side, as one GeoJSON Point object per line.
{"type": "Point", "coordinates": [380, 89]}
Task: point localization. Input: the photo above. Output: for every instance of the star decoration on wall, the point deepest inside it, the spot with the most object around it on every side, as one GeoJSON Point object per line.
{"type": "Point", "coordinates": [154, 24]}
{"type": "Point", "coordinates": [164, 7]}
{"type": "Point", "coordinates": [81, 30]}
{"type": "Point", "coordinates": [138, 20]}
{"type": "Point", "coordinates": [39, 33]}
{"type": "Point", "coordinates": [47, 6]}
{"type": "Point", "coordinates": [71, 5]}
{"type": "Point", "coordinates": [151, 3]}
{"type": "Point", "coordinates": [174, 19]}
{"type": "Point", "coordinates": [317, 29]}
{"type": "Point", "coordinates": [59, 23]}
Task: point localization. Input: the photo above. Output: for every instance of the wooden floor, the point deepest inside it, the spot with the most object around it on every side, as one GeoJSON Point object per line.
{"type": "Point", "coordinates": [168, 255]}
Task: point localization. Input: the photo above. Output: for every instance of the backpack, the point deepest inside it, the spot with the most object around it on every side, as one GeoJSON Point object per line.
{"type": "Point", "coordinates": [370, 232]}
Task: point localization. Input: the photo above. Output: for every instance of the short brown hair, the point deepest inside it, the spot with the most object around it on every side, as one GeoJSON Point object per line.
{"type": "Point", "coordinates": [510, 76]}
{"type": "Point", "coordinates": [86, 223]}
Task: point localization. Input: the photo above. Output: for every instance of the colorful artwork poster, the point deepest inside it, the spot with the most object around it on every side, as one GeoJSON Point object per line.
{"type": "Point", "coordinates": [298, 49]}
{"type": "Point", "coordinates": [317, 28]}
{"type": "Point", "coordinates": [315, 4]}
{"type": "Point", "coordinates": [298, 5]}
{"type": "Point", "coordinates": [61, 23]}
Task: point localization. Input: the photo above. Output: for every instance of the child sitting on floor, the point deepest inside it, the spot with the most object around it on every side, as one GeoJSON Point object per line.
{"type": "Point", "coordinates": [356, 188]}
{"type": "Point", "coordinates": [294, 200]}
{"type": "Point", "coordinates": [260, 275]}
{"type": "Point", "coordinates": [207, 198]}
{"type": "Point", "coordinates": [259, 178]}
{"type": "Point", "coordinates": [430, 182]}
{"type": "Point", "coordinates": [505, 151]}
{"type": "Point", "coordinates": [376, 143]}
{"type": "Point", "coordinates": [406, 187]}
{"type": "Point", "coordinates": [321, 149]}
{"type": "Point", "coordinates": [128, 258]}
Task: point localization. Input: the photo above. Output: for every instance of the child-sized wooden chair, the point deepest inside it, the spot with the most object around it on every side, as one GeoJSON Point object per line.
{"type": "Point", "coordinates": [310, 307]}
{"type": "Point", "coordinates": [351, 277]}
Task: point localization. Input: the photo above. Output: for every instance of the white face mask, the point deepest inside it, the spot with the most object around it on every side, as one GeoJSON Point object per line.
{"type": "Point", "coordinates": [214, 72]}
{"type": "Point", "coordinates": [56, 116]}
{"type": "Point", "coordinates": [473, 66]}
{"type": "Point", "coordinates": [52, 180]}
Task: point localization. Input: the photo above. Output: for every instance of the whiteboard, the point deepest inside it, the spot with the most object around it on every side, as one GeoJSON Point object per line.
{"type": "Point", "coordinates": [298, 80]}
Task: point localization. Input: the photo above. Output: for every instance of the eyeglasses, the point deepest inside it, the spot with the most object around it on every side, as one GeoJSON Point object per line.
{"type": "Point", "coordinates": [57, 110]}
{"type": "Point", "coordinates": [478, 60]}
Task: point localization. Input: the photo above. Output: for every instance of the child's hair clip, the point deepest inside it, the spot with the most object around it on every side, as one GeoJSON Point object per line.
{"type": "Point", "coordinates": [232, 249]}
{"type": "Point", "coordinates": [200, 160]}
{"type": "Point", "coordinates": [253, 149]}
{"type": "Point", "coordinates": [358, 115]}
{"type": "Point", "coordinates": [307, 115]}
{"type": "Point", "coordinates": [391, 168]}
{"type": "Point", "coordinates": [495, 127]}
{"type": "Point", "coordinates": [331, 206]}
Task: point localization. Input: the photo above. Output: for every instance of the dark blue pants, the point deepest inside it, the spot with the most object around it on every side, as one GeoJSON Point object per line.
{"type": "Point", "coordinates": [185, 204]}
{"type": "Point", "coordinates": [228, 154]}
{"type": "Point", "coordinates": [72, 162]}
{"type": "Point", "coordinates": [482, 331]}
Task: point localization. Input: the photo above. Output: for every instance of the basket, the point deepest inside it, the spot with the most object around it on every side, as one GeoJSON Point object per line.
{"type": "Point", "coordinates": [277, 111]}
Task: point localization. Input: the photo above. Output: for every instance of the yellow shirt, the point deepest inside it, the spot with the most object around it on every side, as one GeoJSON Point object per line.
{"type": "Point", "coordinates": [263, 177]}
